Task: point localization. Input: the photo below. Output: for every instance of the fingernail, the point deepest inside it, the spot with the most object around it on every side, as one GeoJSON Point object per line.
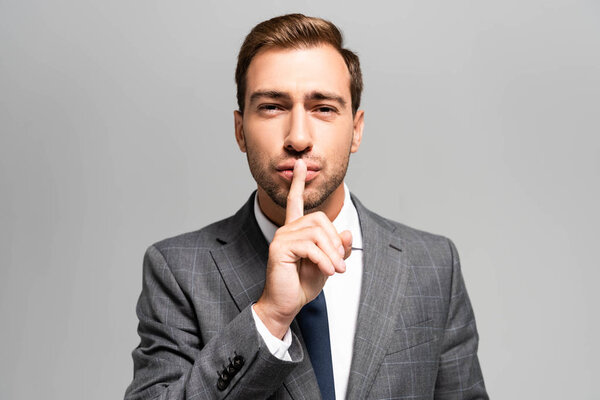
{"type": "Point", "coordinates": [343, 265]}
{"type": "Point", "coordinates": [341, 251]}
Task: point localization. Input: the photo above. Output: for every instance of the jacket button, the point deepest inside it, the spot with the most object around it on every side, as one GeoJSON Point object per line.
{"type": "Point", "coordinates": [221, 384]}
{"type": "Point", "coordinates": [238, 362]}
{"type": "Point", "coordinates": [231, 370]}
{"type": "Point", "coordinates": [224, 376]}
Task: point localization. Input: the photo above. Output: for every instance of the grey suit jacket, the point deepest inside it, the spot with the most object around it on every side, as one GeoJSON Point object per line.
{"type": "Point", "coordinates": [415, 337]}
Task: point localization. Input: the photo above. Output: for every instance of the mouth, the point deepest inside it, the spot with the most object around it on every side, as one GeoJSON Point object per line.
{"type": "Point", "coordinates": [286, 170]}
{"type": "Point", "coordinates": [288, 174]}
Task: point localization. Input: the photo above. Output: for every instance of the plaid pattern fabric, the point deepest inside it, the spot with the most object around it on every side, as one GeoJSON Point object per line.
{"type": "Point", "coordinates": [416, 336]}
{"type": "Point", "coordinates": [415, 339]}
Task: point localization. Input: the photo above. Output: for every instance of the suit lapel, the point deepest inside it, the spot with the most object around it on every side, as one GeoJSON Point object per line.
{"type": "Point", "coordinates": [242, 258]}
{"type": "Point", "coordinates": [242, 262]}
{"type": "Point", "coordinates": [383, 286]}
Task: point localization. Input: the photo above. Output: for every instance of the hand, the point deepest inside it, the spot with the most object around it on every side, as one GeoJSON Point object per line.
{"type": "Point", "coordinates": [305, 251]}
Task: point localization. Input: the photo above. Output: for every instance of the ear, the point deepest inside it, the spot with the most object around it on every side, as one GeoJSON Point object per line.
{"type": "Point", "coordinates": [359, 123]}
{"type": "Point", "coordinates": [238, 120]}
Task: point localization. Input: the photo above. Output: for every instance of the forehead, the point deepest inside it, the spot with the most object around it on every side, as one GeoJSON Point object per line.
{"type": "Point", "coordinates": [299, 71]}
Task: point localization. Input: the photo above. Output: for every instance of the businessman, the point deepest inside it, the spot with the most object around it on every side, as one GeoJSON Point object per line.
{"type": "Point", "coordinates": [304, 293]}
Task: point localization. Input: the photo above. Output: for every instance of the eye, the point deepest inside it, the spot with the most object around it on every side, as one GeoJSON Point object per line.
{"type": "Point", "coordinates": [269, 108]}
{"type": "Point", "coordinates": [325, 110]}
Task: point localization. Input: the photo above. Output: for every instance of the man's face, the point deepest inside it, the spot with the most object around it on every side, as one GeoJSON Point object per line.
{"type": "Point", "coordinates": [298, 105]}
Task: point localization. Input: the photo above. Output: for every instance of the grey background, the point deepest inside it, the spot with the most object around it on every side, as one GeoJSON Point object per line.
{"type": "Point", "coordinates": [482, 123]}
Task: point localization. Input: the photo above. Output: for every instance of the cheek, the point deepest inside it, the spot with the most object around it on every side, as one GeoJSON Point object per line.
{"type": "Point", "coordinates": [263, 135]}
{"type": "Point", "coordinates": [262, 146]}
{"type": "Point", "coordinates": [339, 140]}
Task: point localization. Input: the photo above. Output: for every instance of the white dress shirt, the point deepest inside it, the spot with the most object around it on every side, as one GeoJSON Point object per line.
{"type": "Point", "coordinates": [342, 295]}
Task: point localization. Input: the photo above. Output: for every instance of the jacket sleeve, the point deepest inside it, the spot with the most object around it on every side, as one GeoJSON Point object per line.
{"type": "Point", "coordinates": [171, 362]}
{"type": "Point", "coordinates": [459, 373]}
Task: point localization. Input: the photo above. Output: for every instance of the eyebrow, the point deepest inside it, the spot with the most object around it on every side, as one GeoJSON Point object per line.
{"type": "Point", "coordinates": [312, 96]}
{"type": "Point", "coordinates": [270, 94]}
{"type": "Point", "coordinates": [316, 95]}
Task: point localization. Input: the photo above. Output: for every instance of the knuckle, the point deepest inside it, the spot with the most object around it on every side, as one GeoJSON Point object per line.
{"type": "Point", "coordinates": [319, 235]}
{"type": "Point", "coordinates": [311, 230]}
{"type": "Point", "coordinates": [337, 242]}
{"type": "Point", "coordinates": [313, 254]}
{"type": "Point", "coordinates": [318, 254]}
{"type": "Point", "coordinates": [316, 231]}
{"type": "Point", "coordinates": [321, 216]}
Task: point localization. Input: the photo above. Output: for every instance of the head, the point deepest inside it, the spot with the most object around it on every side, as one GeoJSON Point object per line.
{"type": "Point", "coordinates": [298, 95]}
{"type": "Point", "coordinates": [295, 31]}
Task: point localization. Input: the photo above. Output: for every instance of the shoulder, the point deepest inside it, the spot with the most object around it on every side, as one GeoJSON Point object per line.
{"type": "Point", "coordinates": [421, 246]}
{"type": "Point", "coordinates": [205, 238]}
{"type": "Point", "coordinates": [417, 237]}
{"type": "Point", "coordinates": [211, 236]}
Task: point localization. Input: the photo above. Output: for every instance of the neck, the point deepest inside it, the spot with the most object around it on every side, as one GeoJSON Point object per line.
{"type": "Point", "coordinates": [331, 206]}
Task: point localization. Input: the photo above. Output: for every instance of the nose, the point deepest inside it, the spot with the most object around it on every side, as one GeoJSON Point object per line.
{"type": "Point", "coordinates": [299, 136]}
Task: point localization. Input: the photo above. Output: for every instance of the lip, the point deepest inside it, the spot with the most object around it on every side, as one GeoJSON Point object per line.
{"type": "Point", "coordinates": [310, 166]}
{"type": "Point", "coordinates": [287, 174]}
{"type": "Point", "coordinates": [286, 170]}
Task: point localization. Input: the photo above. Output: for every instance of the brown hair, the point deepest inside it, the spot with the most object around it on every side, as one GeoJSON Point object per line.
{"type": "Point", "coordinates": [295, 31]}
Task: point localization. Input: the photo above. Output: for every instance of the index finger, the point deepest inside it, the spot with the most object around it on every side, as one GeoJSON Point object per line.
{"type": "Point", "coordinates": [295, 199]}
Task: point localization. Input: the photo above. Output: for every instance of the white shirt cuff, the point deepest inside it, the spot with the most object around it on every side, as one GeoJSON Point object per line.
{"type": "Point", "coordinates": [279, 348]}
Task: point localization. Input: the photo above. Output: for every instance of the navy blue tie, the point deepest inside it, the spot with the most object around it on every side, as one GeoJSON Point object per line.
{"type": "Point", "coordinates": [312, 320]}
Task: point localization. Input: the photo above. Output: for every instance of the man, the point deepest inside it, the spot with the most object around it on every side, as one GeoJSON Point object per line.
{"type": "Point", "coordinates": [342, 302]}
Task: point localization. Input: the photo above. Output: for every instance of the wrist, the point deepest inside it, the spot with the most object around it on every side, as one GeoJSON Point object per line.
{"type": "Point", "coordinates": [275, 322]}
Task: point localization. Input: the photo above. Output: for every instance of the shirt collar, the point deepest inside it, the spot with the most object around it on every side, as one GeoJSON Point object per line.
{"type": "Point", "coordinates": [347, 219]}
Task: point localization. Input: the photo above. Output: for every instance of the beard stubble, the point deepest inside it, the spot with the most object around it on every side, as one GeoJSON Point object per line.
{"type": "Point", "coordinates": [262, 171]}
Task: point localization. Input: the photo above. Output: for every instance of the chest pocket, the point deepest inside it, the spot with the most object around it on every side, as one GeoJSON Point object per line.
{"type": "Point", "coordinates": [412, 336]}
